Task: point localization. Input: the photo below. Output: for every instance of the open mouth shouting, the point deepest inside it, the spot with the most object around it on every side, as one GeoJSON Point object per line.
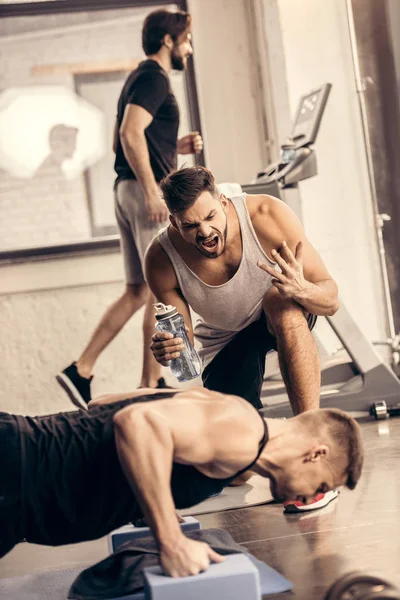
{"type": "Point", "coordinates": [209, 244]}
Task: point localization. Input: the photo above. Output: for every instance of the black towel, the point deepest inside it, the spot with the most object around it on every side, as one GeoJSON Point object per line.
{"type": "Point", "coordinates": [121, 573]}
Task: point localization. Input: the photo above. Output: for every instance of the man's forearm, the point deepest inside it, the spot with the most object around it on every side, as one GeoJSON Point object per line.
{"type": "Point", "coordinates": [145, 450]}
{"type": "Point", "coordinates": [320, 298]}
{"type": "Point", "coordinates": [137, 154]}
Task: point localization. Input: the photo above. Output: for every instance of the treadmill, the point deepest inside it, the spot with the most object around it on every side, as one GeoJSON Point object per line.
{"type": "Point", "coordinates": [355, 384]}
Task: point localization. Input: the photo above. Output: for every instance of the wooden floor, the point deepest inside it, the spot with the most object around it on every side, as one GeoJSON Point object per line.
{"type": "Point", "coordinates": [359, 531]}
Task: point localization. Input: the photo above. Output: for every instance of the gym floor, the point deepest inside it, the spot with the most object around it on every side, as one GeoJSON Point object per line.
{"type": "Point", "coordinates": [360, 531]}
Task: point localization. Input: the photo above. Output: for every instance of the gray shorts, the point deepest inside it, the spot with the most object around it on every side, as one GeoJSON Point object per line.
{"type": "Point", "coordinates": [135, 229]}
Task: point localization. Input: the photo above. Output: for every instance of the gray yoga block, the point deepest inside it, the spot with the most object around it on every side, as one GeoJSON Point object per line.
{"type": "Point", "coordinates": [236, 578]}
{"type": "Point", "coordinates": [129, 532]}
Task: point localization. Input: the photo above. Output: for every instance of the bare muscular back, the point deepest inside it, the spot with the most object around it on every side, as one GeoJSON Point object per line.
{"type": "Point", "coordinates": [205, 426]}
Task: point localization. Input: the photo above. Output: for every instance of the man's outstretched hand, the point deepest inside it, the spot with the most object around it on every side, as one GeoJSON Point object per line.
{"type": "Point", "coordinates": [290, 282]}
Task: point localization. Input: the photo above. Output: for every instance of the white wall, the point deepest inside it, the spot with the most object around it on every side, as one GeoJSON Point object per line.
{"type": "Point", "coordinates": [227, 89]}
{"type": "Point", "coordinates": [336, 205]}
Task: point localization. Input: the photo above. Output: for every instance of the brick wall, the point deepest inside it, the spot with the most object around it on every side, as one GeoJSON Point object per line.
{"type": "Point", "coordinates": [41, 211]}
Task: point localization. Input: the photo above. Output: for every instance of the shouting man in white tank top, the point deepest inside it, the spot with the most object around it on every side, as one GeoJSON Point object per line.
{"type": "Point", "coordinates": [246, 268]}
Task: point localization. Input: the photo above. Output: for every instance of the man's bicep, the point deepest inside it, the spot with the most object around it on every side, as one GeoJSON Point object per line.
{"type": "Point", "coordinates": [292, 232]}
{"type": "Point", "coordinates": [314, 268]}
{"type": "Point", "coordinates": [158, 271]}
{"type": "Point", "coordinates": [135, 119]}
{"type": "Point", "coordinates": [175, 298]}
{"type": "Point", "coordinates": [161, 279]}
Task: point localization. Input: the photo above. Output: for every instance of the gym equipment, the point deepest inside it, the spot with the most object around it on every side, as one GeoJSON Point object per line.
{"type": "Point", "coordinates": [367, 378]}
{"type": "Point", "coordinates": [119, 536]}
{"type": "Point", "coordinates": [373, 379]}
{"type": "Point", "coordinates": [286, 173]}
{"type": "Point", "coordinates": [359, 586]}
{"type": "Point", "coordinates": [236, 578]}
{"type": "Point", "coordinates": [380, 410]}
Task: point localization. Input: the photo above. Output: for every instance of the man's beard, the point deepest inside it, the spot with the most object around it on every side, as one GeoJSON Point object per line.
{"type": "Point", "coordinates": [215, 254]}
{"type": "Point", "coordinates": [177, 61]}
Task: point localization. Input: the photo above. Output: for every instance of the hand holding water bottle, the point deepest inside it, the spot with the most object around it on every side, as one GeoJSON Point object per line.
{"type": "Point", "coordinates": [171, 346]}
{"type": "Point", "coordinates": [166, 347]}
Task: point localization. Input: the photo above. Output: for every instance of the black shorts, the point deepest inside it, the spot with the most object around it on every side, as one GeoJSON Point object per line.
{"type": "Point", "coordinates": [240, 366]}
{"type": "Point", "coordinates": [10, 484]}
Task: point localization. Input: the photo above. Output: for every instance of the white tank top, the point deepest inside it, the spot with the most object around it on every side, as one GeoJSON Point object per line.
{"type": "Point", "coordinates": [225, 309]}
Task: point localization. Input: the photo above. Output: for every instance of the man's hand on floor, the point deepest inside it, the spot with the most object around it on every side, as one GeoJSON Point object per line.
{"type": "Point", "coordinates": [187, 557]}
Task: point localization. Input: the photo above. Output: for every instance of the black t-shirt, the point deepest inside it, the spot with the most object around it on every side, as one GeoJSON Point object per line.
{"type": "Point", "coordinates": [149, 86]}
{"type": "Point", "coordinates": [73, 487]}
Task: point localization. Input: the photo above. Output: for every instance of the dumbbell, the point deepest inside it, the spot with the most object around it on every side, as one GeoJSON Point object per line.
{"type": "Point", "coordinates": [359, 586]}
{"type": "Point", "coordinates": [380, 410]}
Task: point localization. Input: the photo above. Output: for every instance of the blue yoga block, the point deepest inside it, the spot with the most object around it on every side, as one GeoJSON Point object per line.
{"type": "Point", "coordinates": [129, 532]}
{"type": "Point", "coordinates": [236, 578]}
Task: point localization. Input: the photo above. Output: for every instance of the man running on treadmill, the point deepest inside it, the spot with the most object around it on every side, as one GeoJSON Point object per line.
{"type": "Point", "coordinates": [76, 476]}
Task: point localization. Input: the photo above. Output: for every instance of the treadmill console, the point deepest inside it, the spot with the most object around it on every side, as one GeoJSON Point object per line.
{"type": "Point", "coordinates": [308, 117]}
{"type": "Point", "coordinates": [304, 133]}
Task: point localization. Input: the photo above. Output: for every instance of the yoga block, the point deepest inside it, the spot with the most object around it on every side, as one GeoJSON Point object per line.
{"type": "Point", "coordinates": [129, 532]}
{"type": "Point", "coordinates": [236, 578]}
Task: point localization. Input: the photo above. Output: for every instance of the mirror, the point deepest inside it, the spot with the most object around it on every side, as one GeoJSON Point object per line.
{"type": "Point", "coordinates": [62, 76]}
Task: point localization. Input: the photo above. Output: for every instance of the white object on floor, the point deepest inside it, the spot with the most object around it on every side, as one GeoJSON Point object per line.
{"type": "Point", "coordinates": [299, 507]}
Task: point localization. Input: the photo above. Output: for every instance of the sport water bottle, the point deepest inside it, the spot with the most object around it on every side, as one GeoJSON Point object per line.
{"type": "Point", "coordinates": [187, 366]}
{"type": "Point", "coordinates": [288, 152]}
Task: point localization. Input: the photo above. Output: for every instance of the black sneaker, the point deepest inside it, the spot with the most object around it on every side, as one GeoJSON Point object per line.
{"type": "Point", "coordinates": [162, 385]}
{"type": "Point", "coordinates": [77, 387]}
